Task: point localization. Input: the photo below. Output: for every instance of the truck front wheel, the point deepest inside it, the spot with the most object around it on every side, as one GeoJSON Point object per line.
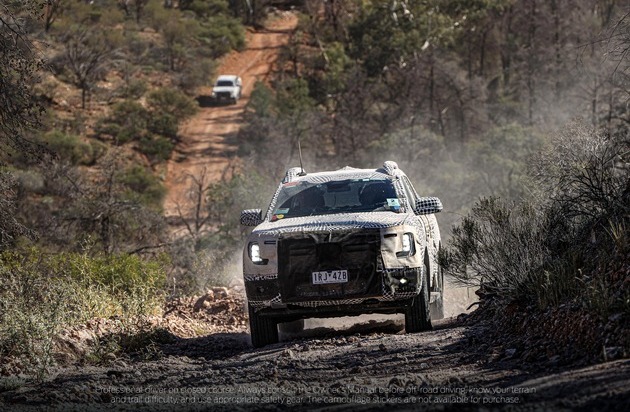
{"type": "Point", "coordinates": [263, 331]}
{"type": "Point", "coordinates": [417, 316]}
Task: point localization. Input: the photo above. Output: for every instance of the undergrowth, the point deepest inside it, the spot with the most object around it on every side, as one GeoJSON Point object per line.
{"type": "Point", "coordinates": [40, 294]}
{"type": "Point", "coordinates": [567, 243]}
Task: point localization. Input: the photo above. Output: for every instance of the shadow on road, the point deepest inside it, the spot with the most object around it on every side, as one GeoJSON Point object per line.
{"type": "Point", "coordinates": [210, 347]}
{"type": "Point", "coordinates": [335, 331]}
{"type": "Point", "coordinates": [342, 327]}
{"type": "Point", "coordinates": [226, 345]}
{"type": "Point", "coordinates": [208, 101]}
{"type": "Point", "coordinates": [205, 101]}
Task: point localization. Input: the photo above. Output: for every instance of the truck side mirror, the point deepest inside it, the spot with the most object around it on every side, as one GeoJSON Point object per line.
{"type": "Point", "coordinates": [251, 217]}
{"type": "Point", "coordinates": [428, 205]}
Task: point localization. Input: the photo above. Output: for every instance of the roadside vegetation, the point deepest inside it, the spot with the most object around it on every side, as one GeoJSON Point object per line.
{"type": "Point", "coordinates": [93, 94]}
{"type": "Point", "coordinates": [43, 293]}
{"type": "Point", "coordinates": [522, 104]}
{"type": "Point", "coordinates": [565, 243]}
{"type": "Point", "coordinates": [514, 113]}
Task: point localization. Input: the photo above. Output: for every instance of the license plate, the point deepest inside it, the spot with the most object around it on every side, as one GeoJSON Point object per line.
{"type": "Point", "coordinates": [330, 276]}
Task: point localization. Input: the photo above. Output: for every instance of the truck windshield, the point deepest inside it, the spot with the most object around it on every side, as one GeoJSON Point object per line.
{"type": "Point", "coordinates": [224, 83]}
{"type": "Point", "coordinates": [346, 196]}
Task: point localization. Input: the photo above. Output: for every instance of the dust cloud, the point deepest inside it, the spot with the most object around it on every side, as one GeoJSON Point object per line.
{"type": "Point", "coordinates": [234, 271]}
{"type": "Point", "coordinates": [457, 299]}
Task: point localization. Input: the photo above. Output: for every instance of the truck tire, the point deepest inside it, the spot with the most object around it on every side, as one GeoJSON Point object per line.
{"type": "Point", "coordinates": [417, 316]}
{"type": "Point", "coordinates": [263, 331]}
{"type": "Point", "coordinates": [437, 306]}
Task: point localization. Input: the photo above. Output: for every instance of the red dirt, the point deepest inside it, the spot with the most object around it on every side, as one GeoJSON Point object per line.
{"type": "Point", "coordinates": [204, 138]}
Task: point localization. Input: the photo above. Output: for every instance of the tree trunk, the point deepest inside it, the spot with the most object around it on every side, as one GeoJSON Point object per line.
{"type": "Point", "coordinates": [106, 235]}
{"type": "Point", "coordinates": [531, 63]}
{"type": "Point", "coordinates": [556, 42]}
{"type": "Point", "coordinates": [506, 51]}
{"type": "Point", "coordinates": [482, 51]}
{"type": "Point", "coordinates": [431, 92]}
{"type": "Point", "coordinates": [595, 101]}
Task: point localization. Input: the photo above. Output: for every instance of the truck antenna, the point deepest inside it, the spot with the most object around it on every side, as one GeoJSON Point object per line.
{"type": "Point", "coordinates": [302, 173]}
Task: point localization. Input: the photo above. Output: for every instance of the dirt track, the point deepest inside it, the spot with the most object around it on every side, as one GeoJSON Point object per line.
{"type": "Point", "coordinates": [205, 138]}
{"type": "Point", "coordinates": [369, 365]}
{"type": "Point", "coordinates": [372, 365]}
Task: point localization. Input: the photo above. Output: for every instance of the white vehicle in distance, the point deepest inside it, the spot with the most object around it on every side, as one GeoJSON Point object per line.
{"type": "Point", "coordinates": [227, 88]}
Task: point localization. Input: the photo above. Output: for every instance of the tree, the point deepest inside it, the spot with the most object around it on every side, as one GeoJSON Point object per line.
{"type": "Point", "coordinates": [115, 205]}
{"type": "Point", "coordinates": [19, 68]}
{"type": "Point", "coordinates": [178, 33]}
{"type": "Point", "coordinates": [51, 12]}
{"type": "Point", "coordinates": [10, 228]}
{"type": "Point", "coordinates": [194, 216]}
{"type": "Point", "coordinates": [133, 7]}
{"type": "Point", "coordinates": [88, 53]}
{"type": "Point", "coordinates": [257, 11]}
{"type": "Point", "coordinates": [19, 110]}
{"type": "Point", "coordinates": [251, 12]}
{"type": "Point", "coordinates": [619, 52]}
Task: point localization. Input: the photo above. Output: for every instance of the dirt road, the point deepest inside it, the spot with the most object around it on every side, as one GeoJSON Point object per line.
{"type": "Point", "coordinates": [361, 365]}
{"type": "Point", "coordinates": [367, 366]}
{"type": "Point", "coordinates": [205, 138]}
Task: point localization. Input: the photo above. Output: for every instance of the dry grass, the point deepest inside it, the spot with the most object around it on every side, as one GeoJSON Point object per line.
{"type": "Point", "coordinates": [40, 294]}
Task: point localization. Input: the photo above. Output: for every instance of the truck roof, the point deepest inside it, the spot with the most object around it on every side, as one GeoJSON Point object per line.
{"type": "Point", "coordinates": [388, 171]}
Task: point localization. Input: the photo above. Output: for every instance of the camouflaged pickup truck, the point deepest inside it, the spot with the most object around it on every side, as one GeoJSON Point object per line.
{"type": "Point", "coordinates": [339, 243]}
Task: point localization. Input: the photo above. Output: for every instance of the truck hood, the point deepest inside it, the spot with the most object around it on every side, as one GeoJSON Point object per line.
{"type": "Point", "coordinates": [336, 222]}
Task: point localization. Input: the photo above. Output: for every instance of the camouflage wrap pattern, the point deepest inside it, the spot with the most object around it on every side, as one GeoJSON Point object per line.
{"type": "Point", "coordinates": [250, 217]}
{"type": "Point", "coordinates": [335, 223]}
{"type": "Point", "coordinates": [393, 225]}
{"type": "Point", "coordinates": [427, 205]}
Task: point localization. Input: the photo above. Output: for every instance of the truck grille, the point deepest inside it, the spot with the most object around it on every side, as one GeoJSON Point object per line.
{"type": "Point", "coordinates": [299, 255]}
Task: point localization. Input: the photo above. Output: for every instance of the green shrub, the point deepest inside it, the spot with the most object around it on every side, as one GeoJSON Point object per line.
{"type": "Point", "coordinates": [157, 148]}
{"type": "Point", "coordinates": [127, 122]}
{"type": "Point", "coordinates": [155, 128]}
{"type": "Point", "coordinates": [501, 246]}
{"type": "Point", "coordinates": [195, 76]}
{"type": "Point", "coordinates": [222, 34]}
{"type": "Point", "coordinates": [123, 284]}
{"type": "Point", "coordinates": [135, 89]}
{"type": "Point", "coordinates": [143, 185]}
{"type": "Point", "coordinates": [69, 147]}
{"type": "Point", "coordinates": [164, 124]}
{"type": "Point", "coordinates": [172, 102]}
{"type": "Point", "coordinates": [220, 31]}
{"type": "Point", "coordinates": [40, 294]}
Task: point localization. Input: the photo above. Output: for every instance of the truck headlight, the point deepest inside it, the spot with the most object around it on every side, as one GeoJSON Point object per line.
{"type": "Point", "coordinates": [408, 246]}
{"type": "Point", "coordinates": [254, 254]}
